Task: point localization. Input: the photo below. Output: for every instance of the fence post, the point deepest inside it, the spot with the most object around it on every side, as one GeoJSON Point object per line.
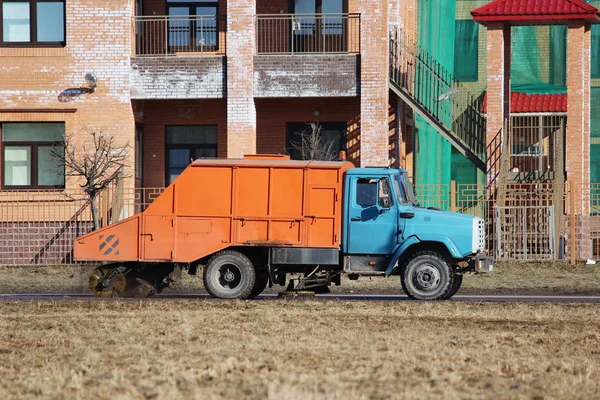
{"type": "Point", "coordinates": [572, 218]}
{"type": "Point", "coordinates": [453, 196]}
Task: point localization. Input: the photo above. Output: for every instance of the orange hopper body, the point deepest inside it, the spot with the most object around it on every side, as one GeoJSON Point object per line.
{"type": "Point", "coordinates": [218, 203]}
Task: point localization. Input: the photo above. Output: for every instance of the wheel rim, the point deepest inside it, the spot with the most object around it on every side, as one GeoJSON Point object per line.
{"type": "Point", "coordinates": [229, 276]}
{"type": "Point", "coordinates": [426, 278]}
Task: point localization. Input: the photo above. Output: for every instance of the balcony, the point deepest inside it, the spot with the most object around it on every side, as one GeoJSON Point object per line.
{"type": "Point", "coordinates": [179, 57]}
{"type": "Point", "coordinates": [307, 55]}
{"type": "Point", "coordinates": [181, 35]}
{"type": "Point", "coordinates": [308, 34]}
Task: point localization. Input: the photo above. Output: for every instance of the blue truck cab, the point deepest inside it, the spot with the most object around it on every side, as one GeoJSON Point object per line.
{"type": "Point", "coordinates": [386, 232]}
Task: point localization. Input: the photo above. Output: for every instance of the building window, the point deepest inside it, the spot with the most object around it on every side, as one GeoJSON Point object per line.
{"type": "Point", "coordinates": [466, 51]}
{"type": "Point", "coordinates": [595, 51]}
{"type": "Point", "coordinates": [27, 155]}
{"type": "Point", "coordinates": [187, 143]}
{"type": "Point", "coordinates": [332, 139]}
{"type": "Point", "coordinates": [33, 22]}
{"type": "Point", "coordinates": [193, 24]}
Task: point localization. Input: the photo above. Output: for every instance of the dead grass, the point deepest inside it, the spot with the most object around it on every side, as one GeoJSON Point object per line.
{"type": "Point", "coordinates": [507, 278]}
{"type": "Point", "coordinates": [212, 349]}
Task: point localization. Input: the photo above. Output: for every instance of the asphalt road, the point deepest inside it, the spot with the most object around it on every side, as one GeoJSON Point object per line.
{"type": "Point", "coordinates": [357, 297]}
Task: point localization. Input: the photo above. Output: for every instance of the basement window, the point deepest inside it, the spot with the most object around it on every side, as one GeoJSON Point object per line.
{"type": "Point", "coordinates": [27, 160]}
{"type": "Point", "coordinates": [38, 23]}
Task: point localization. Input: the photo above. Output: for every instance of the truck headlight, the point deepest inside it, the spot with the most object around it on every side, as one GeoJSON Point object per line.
{"type": "Point", "coordinates": [478, 235]}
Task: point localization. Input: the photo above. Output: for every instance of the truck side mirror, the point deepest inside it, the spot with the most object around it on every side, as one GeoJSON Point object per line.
{"type": "Point", "coordinates": [385, 202]}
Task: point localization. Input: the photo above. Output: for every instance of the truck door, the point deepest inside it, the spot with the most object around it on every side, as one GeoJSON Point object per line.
{"type": "Point", "coordinates": [372, 216]}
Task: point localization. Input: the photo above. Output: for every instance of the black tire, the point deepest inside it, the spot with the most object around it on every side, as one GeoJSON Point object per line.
{"type": "Point", "coordinates": [427, 276]}
{"type": "Point", "coordinates": [456, 284]}
{"type": "Point", "coordinates": [229, 275]}
{"type": "Point", "coordinates": [260, 284]}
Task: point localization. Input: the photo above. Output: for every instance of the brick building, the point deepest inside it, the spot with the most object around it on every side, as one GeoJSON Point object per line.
{"type": "Point", "coordinates": [392, 82]}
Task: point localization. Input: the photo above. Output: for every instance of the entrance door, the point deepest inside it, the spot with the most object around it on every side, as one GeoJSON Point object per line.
{"type": "Point", "coordinates": [318, 26]}
{"type": "Point", "coordinates": [372, 225]}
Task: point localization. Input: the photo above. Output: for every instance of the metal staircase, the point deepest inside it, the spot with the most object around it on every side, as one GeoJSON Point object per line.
{"type": "Point", "coordinates": [424, 84]}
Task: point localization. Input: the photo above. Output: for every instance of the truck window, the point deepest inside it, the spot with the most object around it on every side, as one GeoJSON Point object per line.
{"type": "Point", "coordinates": [384, 191]}
{"type": "Point", "coordinates": [366, 192]}
{"type": "Point", "coordinates": [406, 194]}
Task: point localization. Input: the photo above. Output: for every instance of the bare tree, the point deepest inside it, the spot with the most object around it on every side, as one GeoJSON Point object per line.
{"type": "Point", "coordinates": [97, 160]}
{"type": "Point", "coordinates": [311, 145]}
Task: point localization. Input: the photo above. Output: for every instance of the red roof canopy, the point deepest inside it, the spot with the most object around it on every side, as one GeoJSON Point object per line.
{"type": "Point", "coordinates": [534, 103]}
{"type": "Point", "coordinates": [531, 12]}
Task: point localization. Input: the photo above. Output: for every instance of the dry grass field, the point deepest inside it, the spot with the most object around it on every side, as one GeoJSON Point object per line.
{"type": "Point", "coordinates": [507, 278]}
{"type": "Point", "coordinates": [277, 349]}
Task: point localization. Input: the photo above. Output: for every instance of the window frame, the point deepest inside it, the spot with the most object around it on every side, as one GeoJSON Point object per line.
{"type": "Point", "coordinates": [34, 176]}
{"type": "Point", "coordinates": [189, 146]}
{"type": "Point", "coordinates": [33, 42]}
{"type": "Point", "coordinates": [191, 5]}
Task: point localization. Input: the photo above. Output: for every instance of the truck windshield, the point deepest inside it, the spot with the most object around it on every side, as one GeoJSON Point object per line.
{"type": "Point", "coordinates": [404, 188]}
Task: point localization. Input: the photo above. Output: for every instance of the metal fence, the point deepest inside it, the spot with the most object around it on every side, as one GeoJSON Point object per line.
{"type": "Point", "coordinates": [534, 222]}
{"type": "Point", "coordinates": [307, 33]}
{"type": "Point", "coordinates": [189, 35]}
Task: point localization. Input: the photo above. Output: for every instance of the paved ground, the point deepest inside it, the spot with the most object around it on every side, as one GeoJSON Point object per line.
{"type": "Point", "coordinates": [362, 297]}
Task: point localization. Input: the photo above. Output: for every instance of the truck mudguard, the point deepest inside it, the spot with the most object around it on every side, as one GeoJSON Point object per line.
{"type": "Point", "coordinates": [445, 240]}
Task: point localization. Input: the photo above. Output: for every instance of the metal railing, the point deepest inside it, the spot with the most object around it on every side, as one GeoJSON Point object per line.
{"type": "Point", "coordinates": [307, 33]}
{"type": "Point", "coordinates": [168, 35]}
{"type": "Point", "coordinates": [432, 89]}
{"type": "Point", "coordinates": [540, 221]}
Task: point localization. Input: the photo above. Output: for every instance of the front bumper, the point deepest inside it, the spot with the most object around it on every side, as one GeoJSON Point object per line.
{"type": "Point", "coordinates": [481, 263]}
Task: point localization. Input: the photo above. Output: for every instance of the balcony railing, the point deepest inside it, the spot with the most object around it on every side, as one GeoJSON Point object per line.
{"type": "Point", "coordinates": [180, 35]}
{"type": "Point", "coordinates": [308, 33]}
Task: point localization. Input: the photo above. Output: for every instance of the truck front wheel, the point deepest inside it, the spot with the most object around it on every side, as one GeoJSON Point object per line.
{"type": "Point", "coordinates": [427, 276]}
{"type": "Point", "coordinates": [229, 275]}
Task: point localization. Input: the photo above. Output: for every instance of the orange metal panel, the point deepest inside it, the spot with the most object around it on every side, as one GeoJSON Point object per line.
{"type": "Point", "coordinates": [163, 204]}
{"type": "Point", "coordinates": [252, 192]}
{"type": "Point", "coordinates": [204, 191]}
{"type": "Point", "coordinates": [199, 237]}
{"type": "Point", "coordinates": [158, 237]}
{"type": "Point", "coordinates": [286, 232]}
{"type": "Point", "coordinates": [287, 191]}
{"type": "Point", "coordinates": [216, 203]}
{"type": "Point", "coordinates": [321, 176]}
{"type": "Point", "coordinates": [322, 212]}
{"type": "Point", "coordinates": [321, 233]}
{"type": "Point", "coordinates": [252, 231]}
{"type": "Point", "coordinates": [116, 242]}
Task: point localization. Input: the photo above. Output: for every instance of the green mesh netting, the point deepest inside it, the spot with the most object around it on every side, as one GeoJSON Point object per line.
{"type": "Point", "coordinates": [595, 135]}
{"type": "Point", "coordinates": [436, 37]}
{"type": "Point", "coordinates": [538, 59]}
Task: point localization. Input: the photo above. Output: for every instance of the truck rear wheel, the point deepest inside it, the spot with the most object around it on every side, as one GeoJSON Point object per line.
{"type": "Point", "coordinates": [229, 275]}
{"type": "Point", "coordinates": [427, 276]}
{"type": "Point", "coordinates": [262, 278]}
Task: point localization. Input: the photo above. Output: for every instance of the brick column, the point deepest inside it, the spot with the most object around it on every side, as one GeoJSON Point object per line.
{"type": "Point", "coordinates": [498, 89]}
{"type": "Point", "coordinates": [374, 49]}
{"type": "Point", "coordinates": [577, 143]}
{"type": "Point", "coordinates": [241, 110]}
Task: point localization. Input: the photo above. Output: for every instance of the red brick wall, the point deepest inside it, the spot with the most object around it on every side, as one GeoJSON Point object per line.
{"type": "Point", "coordinates": [374, 83]}
{"type": "Point", "coordinates": [159, 113]}
{"type": "Point", "coordinates": [35, 82]}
